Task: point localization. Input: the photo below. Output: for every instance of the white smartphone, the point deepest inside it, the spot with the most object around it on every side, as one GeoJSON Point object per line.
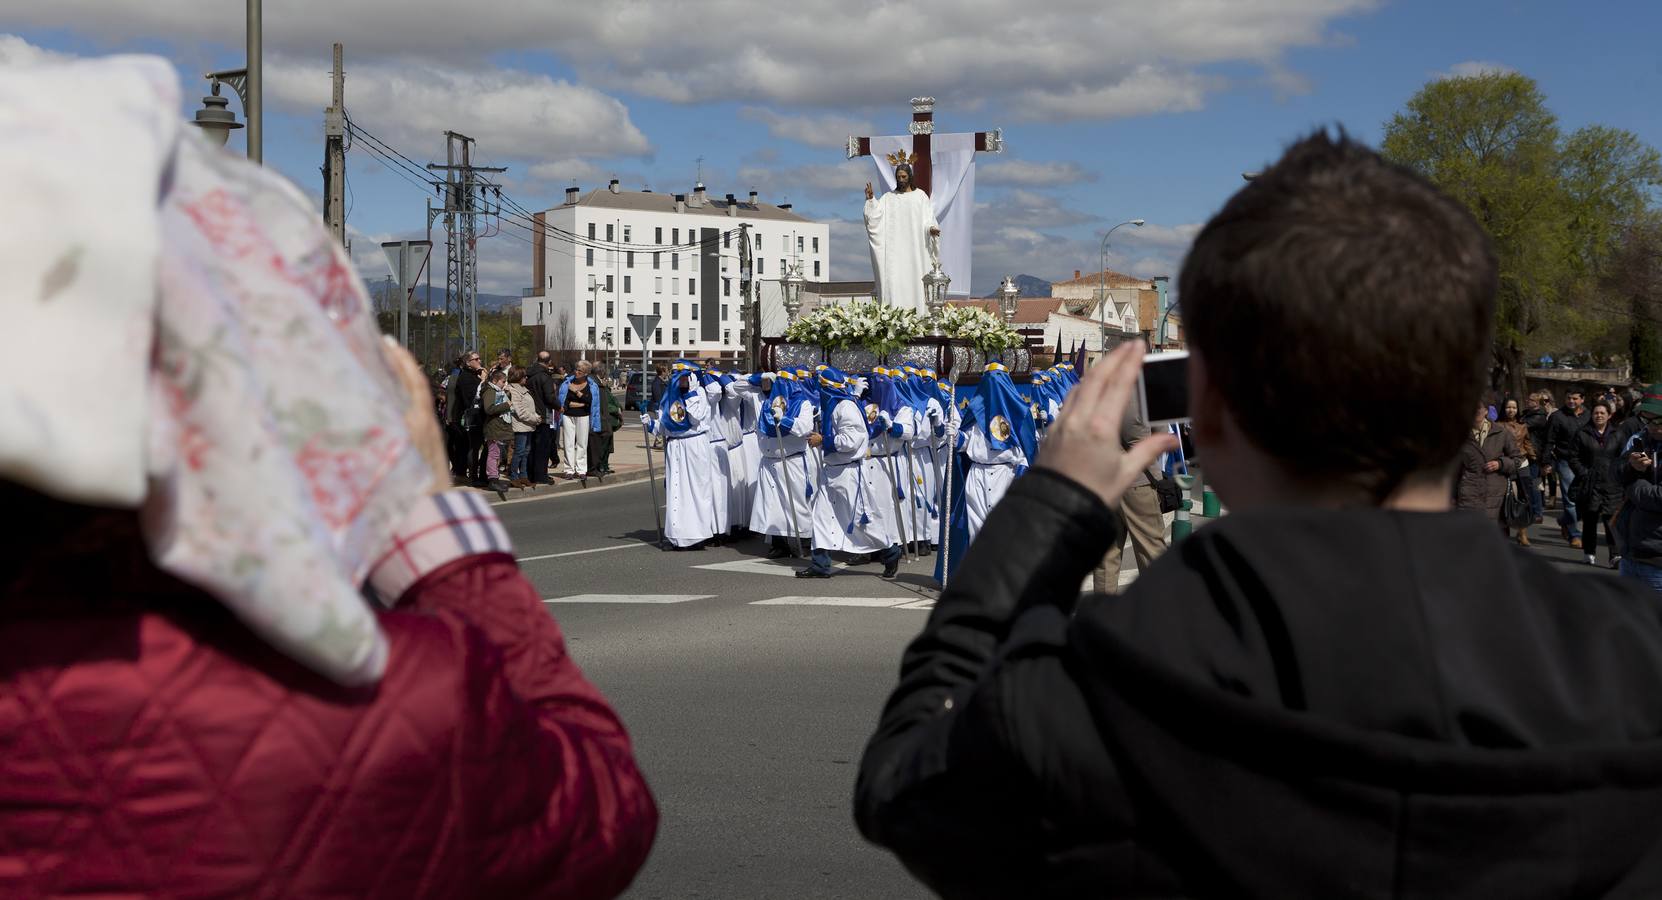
{"type": "Point", "coordinates": [1163, 388]}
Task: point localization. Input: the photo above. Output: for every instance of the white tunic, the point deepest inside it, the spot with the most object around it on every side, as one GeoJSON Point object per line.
{"type": "Point", "coordinates": [691, 512]}
{"type": "Point", "coordinates": [884, 469]}
{"type": "Point", "coordinates": [923, 501]}
{"type": "Point", "coordinates": [722, 473]}
{"type": "Point", "coordinates": [845, 496]}
{"type": "Point", "coordinates": [897, 225]}
{"type": "Point", "coordinates": [787, 472]}
{"type": "Point", "coordinates": [990, 474]}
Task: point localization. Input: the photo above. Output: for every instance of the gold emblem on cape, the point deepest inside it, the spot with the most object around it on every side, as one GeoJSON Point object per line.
{"type": "Point", "coordinates": [871, 413]}
{"type": "Point", "coordinates": [778, 407]}
{"type": "Point", "coordinates": [1000, 428]}
{"type": "Point", "coordinates": [677, 412]}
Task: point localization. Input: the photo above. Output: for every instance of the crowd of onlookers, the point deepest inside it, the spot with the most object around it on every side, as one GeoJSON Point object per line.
{"type": "Point", "coordinates": [1580, 459]}
{"type": "Point", "coordinates": [515, 426]}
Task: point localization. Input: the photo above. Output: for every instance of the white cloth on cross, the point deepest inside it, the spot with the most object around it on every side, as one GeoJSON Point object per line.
{"type": "Point", "coordinates": [951, 198]}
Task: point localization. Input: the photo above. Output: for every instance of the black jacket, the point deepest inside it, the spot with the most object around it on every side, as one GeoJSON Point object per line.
{"type": "Point", "coordinates": [1641, 517]}
{"type": "Point", "coordinates": [1561, 432]}
{"type": "Point", "coordinates": [1598, 485]}
{"type": "Point", "coordinates": [467, 395]}
{"type": "Point", "coordinates": [542, 385]}
{"type": "Point", "coordinates": [1536, 421]}
{"type": "Point", "coordinates": [1291, 703]}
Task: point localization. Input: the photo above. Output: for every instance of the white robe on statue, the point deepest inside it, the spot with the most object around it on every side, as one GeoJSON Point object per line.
{"type": "Point", "coordinates": [782, 485]}
{"type": "Point", "coordinates": [844, 496]}
{"type": "Point", "coordinates": [692, 513]}
{"type": "Point", "coordinates": [897, 226]}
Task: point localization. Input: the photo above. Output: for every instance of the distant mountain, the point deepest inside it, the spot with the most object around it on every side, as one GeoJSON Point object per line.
{"type": "Point", "coordinates": [1031, 286]}
{"type": "Point", "coordinates": [487, 302]}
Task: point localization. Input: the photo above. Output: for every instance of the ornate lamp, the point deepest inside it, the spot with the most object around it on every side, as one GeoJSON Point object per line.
{"type": "Point", "coordinates": [934, 295]}
{"type": "Point", "coordinates": [1008, 293]}
{"type": "Point", "coordinates": [792, 285]}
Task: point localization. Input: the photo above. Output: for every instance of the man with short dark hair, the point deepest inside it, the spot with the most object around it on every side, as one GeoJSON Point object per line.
{"type": "Point", "coordinates": [541, 384]}
{"type": "Point", "coordinates": [1562, 428]}
{"type": "Point", "coordinates": [1343, 688]}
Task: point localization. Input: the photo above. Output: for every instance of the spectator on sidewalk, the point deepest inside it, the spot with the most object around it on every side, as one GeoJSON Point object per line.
{"type": "Point", "coordinates": [261, 653]}
{"type": "Point", "coordinates": [497, 406]}
{"type": "Point", "coordinates": [526, 421]}
{"type": "Point", "coordinates": [1140, 508]}
{"type": "Point", "coordinates": [1342, 688]}
{"type": "Point", "coordinates": [1598, 487]}
{"type": "Point", "coordinates": [467, 419]}
{"type": "Point", "coordinates": [1563, 427]}
{"type": "Point", "coordinates": [1488, 460]}
{"type": "Point", "coordinates": [1640, 521]}
{"type": "Point", "coordinates": [1523, 482]}
{"type": "Point", "coordinates": [543, 390]}
{"type": "Point", "coordinates": [1534, 418]}
{"type": "Point", "coordinates": [580, 418]}
{"type": "Point", "coordinates": [611, 419]}
{"type": "Point", "coordinates": [660, 384]}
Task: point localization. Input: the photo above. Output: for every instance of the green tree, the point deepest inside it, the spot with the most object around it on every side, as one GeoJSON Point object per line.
{"type": "Point", "coordinates": [1554, 206]}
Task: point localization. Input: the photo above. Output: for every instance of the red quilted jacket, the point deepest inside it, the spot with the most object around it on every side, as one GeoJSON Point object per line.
{"type": "Point", "coordinates": [151, 746]}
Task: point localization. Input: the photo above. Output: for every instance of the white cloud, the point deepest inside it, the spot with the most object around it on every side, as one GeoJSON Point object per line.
{"type": "Point", "coordinates": [1472, 68]}
{"type": "Point", "coordinates": [1071, 59]}
{"type": "Point", "coordinates": [828, 130]}
{"type": "Point", "coordinates": [1144, 91]}
{"type": "Point", "coordinates": [15, 51]}
{"type": "Point", "coordinates": [1022, 173]}
{"type": "Point", "coordinates": [845, 180]}
{"type": "Point", "coordinates": [568, 170]}
{"type": "Point", "coordinates": [514, 114]}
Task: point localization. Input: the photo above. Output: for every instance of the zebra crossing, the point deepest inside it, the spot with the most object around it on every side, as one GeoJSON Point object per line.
{"type": "Point", "coordinates": [912, 602]}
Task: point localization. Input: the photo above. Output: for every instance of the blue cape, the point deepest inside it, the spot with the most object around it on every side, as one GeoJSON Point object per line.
{"type": "Point", "coordinates": [834, 388]}
{"type": "Point", "coordinates": [786, 397]}
{"type": "Point", "coordinates": [675, 398]}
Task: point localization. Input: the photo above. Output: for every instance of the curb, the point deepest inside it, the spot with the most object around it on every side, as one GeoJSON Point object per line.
{"type": "Point", "coordinates": [562, 488]}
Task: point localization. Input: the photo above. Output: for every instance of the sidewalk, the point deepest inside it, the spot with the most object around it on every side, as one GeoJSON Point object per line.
{"type": "Point", "coordinates": [628, 465]}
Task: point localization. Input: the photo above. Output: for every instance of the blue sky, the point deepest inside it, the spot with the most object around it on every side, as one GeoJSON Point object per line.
{"type": "Point", "coordinates": [1112, 110]}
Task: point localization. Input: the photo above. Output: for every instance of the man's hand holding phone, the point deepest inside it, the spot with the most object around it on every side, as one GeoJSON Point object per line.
{"type": "Point", "coordinates": [1084, 444]}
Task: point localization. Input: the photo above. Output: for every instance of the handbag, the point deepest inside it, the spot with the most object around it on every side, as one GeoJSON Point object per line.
{"type": "Point", "coordinates": [1166, 488]}
{"type": "Point", "coordinates": [1514, 510]}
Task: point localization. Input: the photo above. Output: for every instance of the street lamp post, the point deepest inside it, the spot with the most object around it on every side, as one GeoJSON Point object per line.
{"type": "Point", "coordinates": [1102, 301]}
{"type": "Point", "coordinates": [792, 285]}
{"type": "Point", "coordinates": [217, 121]}
{"type": "Point", "coordinates": [1007, 296]}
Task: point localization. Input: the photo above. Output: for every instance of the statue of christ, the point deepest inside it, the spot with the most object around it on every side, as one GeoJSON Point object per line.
{"type": "Point", "coordinates": [899, 226]}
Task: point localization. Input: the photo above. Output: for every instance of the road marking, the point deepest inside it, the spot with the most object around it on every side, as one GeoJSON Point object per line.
{"type": "Point", "coordinates": [629, 598]}
{"type": "Point", "coordinates": [880, 602]}
{"type": "Point", "coordinates": [762, 567]}
{"type": "Point", "coordinates": [581, 552]}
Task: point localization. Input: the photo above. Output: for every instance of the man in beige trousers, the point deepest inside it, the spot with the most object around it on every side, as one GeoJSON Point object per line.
{"type": "Point", "coordinates": [1141, 509]}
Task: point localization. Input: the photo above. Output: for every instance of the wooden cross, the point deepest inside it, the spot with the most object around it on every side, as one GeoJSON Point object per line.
{"type": "Point", "coordinates": [922, 127]}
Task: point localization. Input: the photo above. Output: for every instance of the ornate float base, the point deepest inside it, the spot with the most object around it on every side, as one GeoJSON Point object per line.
{"type": "Point", "coordinates": [951, 359]}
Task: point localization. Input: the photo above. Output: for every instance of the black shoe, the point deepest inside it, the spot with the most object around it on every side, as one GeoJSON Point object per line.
{"type": "Point", "coordinates": [501, 489]}
{"type": "Point", "coordinates": [891, 570]}
{"type": "Point", "coordinates": [812, 573]}
{"type": "Point", "coordinates": [779, 553]}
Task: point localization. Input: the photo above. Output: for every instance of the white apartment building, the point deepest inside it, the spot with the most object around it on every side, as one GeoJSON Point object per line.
{"type": "Point", "coordinates": [599, 257]}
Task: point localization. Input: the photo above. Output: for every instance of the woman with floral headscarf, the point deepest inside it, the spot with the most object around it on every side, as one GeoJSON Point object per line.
{"type": "Point", "coordinates": [256, 647]}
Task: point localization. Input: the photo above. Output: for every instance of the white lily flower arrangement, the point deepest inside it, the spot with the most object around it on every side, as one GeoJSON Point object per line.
{"type": "Point", "coordinates": [979, 328]}
{"type": "Point", "coordinates": [871, 324]}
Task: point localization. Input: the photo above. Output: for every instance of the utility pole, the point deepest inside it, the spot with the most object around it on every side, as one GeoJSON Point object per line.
{"type": "Point", "coordinates": [463, 203]}
{"type": "Point", "coordinates": [334, 156]}
{"type": "Point", "coordinates": [748, 303]}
